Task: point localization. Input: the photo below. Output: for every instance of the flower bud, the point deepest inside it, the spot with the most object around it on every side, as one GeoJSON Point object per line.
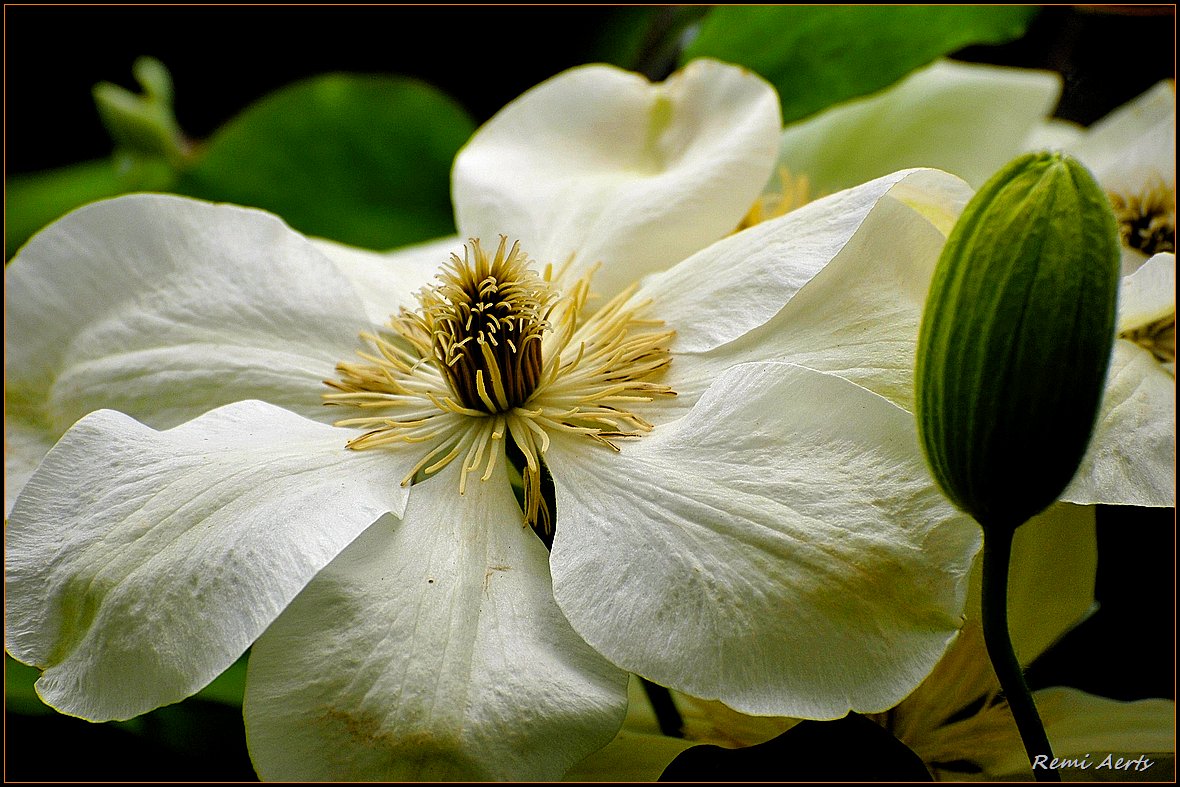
{"type": "Point", "coordinates": [143, 125]}
{"type": "Point", "coordinates": [1016, 339]}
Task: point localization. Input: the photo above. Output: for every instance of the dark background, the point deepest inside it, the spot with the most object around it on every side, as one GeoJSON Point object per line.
{"type": "Point", "coordinates": [222, 58]}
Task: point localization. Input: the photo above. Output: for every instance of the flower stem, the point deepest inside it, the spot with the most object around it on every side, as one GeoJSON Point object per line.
{"type": "Point", "coordinates": [997, 554]}
{"type": "Point", "coordinates": [667, 715]}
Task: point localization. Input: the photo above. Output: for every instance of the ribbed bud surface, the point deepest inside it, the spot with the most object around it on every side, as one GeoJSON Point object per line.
{"type": "Point", "coordinates": [1016, 339]}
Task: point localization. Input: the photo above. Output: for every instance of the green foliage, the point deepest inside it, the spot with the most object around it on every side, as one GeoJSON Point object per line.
{"type": "Point", "coordinates": [20, 697]}
{"type": "Point", "coordinates": [364, 160]}
{"type": "Point", "coordinates": [818, 56]}
{"type": "Point", "coordinates": [32, 201]}
{"type": "Point", "coordinates": [1016, 339]}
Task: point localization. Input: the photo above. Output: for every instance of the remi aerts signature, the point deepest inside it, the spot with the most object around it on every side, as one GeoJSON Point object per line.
{"type": "Point", "coordinates": [1110, 763]}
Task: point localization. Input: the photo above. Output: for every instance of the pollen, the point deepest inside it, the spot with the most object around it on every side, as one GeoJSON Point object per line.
{"type": "Point", "coordinates": [497, 351]}
{"type": "Point", "coordinates": [1147, 220]}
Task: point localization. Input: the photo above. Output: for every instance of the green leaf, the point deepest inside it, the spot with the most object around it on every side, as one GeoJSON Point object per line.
{"type": "Point", "coordinates": [32, 201]}
{"type": "Point", "coordinates": [364, 160]}
{"type": "Point", "coordinates": [819, 56]}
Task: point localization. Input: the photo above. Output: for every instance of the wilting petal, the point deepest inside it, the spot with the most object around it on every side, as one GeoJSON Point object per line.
{"type": "Point", "coordinates": [789, 514]}
{"type": "Point", "coordinates": [838, 285]}
{"type": "Point", "coordinates": [962, 118]}
{"type": "Point", "coordinates": [602, 164]}
{"type": "Point", "coordinates": [431, 649]}
{"type": "Point", "coordinates": [388, 281]}
{"type": "Point", "coordinates": [140, 564]}
{"type": "Point", "coordinates": [164, 308]}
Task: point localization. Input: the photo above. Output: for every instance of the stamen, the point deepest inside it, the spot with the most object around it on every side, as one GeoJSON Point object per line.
{"type": "Point", "coordinates": [794, 191]}
{"type": "Point", "coordinates": [1147, 220]}
{"type": "Point", "coordinates": [485, 355]}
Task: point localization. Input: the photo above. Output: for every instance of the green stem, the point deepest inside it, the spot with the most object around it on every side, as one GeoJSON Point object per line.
{"type": "Point", "coordinates": [997, 554]}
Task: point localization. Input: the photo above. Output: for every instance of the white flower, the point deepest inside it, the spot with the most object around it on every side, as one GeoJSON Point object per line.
{"type": "Point", "coordinates": [768, 535]}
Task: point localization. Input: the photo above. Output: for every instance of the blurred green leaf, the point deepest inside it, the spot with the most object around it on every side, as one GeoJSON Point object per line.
{"type": "Point", "coordinates": [364, 160]}
{"type": "Point", "coordinates": [229, 687]}
{"type": "Point", "coordinates": [32, 201]}
{"type": "Point", "coordinates": [19, 694]}
{"type": "Point", "coordinates": [818, 56]}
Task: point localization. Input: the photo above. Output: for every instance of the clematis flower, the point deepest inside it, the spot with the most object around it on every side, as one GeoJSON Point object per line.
{"type": "Point", "coordinates": [728, 520]}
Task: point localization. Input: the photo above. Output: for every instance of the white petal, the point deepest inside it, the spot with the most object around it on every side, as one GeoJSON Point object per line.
{"type": "Point", "coordinates": [838, 285]}
{"type": "Point", "coordinates": [1131, 459]}
{"type": "Point", "coordinates": [630, 757]}
{"type": "Point", "coordinates": [780, 548]}
{"type": "Point", "coordinates": [962, 118]}
{"type": "Point", "coordinates": [388, 281]}
{"type": "Point", "coordinates": [431, 649]}
{"type": "Point", "coordinates": [601, 164]}
{"type": "Point", "coordinates": [1054, 134]}
{"type": "Point", "coordinates": [163, 308]}
{"type": "Point", "coordinates": [1148, 294]}
{"type": "Point", "coordinates": [25, 445]}
{"type": "Point", "coordinates": [140, 564]}
{"type": "Point", "coordinates": [1109, 140]}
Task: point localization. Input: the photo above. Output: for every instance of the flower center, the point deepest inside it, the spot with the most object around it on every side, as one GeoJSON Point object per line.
{"type": "Point", "coordinates": [1147, 221]}
{"type": "Point", "coordinates": [496, 350]}
{"type": "Point", "coordinates": [487, 318]}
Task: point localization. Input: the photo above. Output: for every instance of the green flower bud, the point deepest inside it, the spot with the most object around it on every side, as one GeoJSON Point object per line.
{"type": "Point", "coordinates": [1016, 339]}
{"type": "Point", "coordinates": [143, 125]}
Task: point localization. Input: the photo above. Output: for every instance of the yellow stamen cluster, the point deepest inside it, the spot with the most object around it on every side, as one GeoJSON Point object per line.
{"type": "Point", "coordinates": [1147, 221]}
{"type": "Point", "coordinates": [486, 319]}
{"type": "Point", "coordinates": [496, 350]}
{"type": "Point", "coordinates": [794, 191]}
